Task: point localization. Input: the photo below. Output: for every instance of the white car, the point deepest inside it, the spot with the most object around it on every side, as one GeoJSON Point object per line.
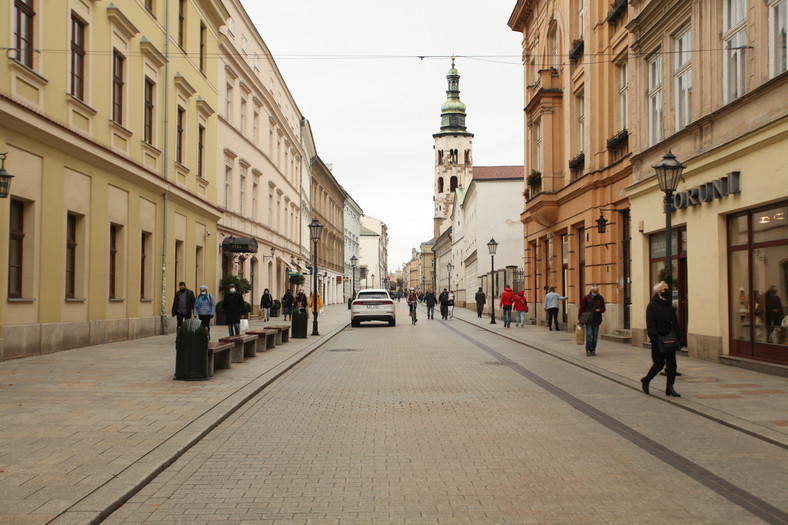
{"type": "Point", "coordinates": [373, 305]}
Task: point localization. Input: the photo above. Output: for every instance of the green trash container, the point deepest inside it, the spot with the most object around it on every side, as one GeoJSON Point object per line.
{"type": "Point", "coordinates": [298, 329]}
{"type": "Point", "coordinates": [191, 351]}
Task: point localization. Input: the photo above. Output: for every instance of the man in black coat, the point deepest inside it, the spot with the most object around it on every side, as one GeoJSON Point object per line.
{"type": "Point", "coordinates": [481, 298]}
{"type": "Point", "coordinates": [443, 298]}
{"type": "Point", "coordinates": [183, 304]}
{"type": "Point", "coordinates": [430, 300]}
{"type": "Point", "coordinates": [661, 320]}
{"type": "Point", "coordinates": [234, 310]}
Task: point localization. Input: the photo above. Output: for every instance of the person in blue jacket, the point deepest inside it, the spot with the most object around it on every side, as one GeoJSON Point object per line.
{"type": "Point", "coordinates": [205, 307]}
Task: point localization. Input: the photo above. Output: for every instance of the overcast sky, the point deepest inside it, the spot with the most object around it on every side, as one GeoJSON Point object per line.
{"type": "Point", "coordinates": [354, 72]}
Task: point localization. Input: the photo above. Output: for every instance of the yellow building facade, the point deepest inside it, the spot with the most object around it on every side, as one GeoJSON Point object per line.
{"type": "Point", "coordinates": [107, 115]}
{"type": "Point", "coordinates": [713, 90]}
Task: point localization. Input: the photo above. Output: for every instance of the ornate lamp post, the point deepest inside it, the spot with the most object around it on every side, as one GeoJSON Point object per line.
{"type": "Point", "coordinates": [669, 171]}
{"type": "Point", "coordinates": [353, 262]}
{"type": "Point", "coordinates": [5, 177]}
{"type": "Point", "coordinates": [315, 229]}
{"type": "Point", "coordinates": [450, 268]}
{"type": "Point", "coordinates": [493, 247]}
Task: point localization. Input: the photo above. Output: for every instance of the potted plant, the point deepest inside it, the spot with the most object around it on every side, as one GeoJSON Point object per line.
{"type": "Point", "coordinates": [276, 307]}
{"type": "Point", "coordinates": [297, 279]}
{"type": "Point", "coordinates": [618, 8]}
{"type": "Point", "coordinates": [535, 178]}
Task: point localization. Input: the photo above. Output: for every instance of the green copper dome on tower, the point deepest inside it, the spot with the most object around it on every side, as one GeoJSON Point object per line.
{"type": "Point", "coordinates": [453, 110]}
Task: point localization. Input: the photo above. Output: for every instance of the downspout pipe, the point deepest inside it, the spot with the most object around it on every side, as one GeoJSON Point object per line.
{"type": "Point", "coordinates": [165, 195]}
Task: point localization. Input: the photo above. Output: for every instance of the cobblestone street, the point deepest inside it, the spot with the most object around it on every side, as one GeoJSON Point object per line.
{"type": "Point", "coordinates": [445, 422]}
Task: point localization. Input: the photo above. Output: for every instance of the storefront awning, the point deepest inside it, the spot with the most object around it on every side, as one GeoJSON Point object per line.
{"type": "Point", "coordinates": [239, 245]}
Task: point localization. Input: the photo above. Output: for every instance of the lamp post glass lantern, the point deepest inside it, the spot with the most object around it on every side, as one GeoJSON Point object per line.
{"type": "Point", "coordinates": [449, 267]}
{"type": "Point", "coordinates": [669, 171]}
{"type": "Point", "coordinates": [492, 246]}
{"type": "Point", "coordinates": [353, 262]}
{"type": "Point", "coordinates": [5, 177]}
{"type": "Point", "coordinates": [315, 229]}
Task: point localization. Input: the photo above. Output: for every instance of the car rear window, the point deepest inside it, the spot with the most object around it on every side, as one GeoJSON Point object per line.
{"type": "Point", "coordinates": [372, 295]}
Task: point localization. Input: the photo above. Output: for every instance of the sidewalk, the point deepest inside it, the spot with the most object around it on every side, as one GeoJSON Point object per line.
{"type": "Point", "coordinates": [85, 428]}
{"type": "Point", "coordinates": [752, 402]}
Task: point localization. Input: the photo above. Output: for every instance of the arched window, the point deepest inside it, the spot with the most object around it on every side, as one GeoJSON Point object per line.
{"type": "Point", "coordinates": [552, 42]}
{"type": "Point", "coordinates": [440, 157]}
{"type": "Point", "coordinates": [453, 184]}
{"type": "Point", "coordinates": [440, 184]}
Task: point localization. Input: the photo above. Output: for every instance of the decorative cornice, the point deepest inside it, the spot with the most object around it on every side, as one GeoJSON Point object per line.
{"type": "Point", "coordinates": [204, 108]}
{"type": "Point", "coordinates": [117, 17]}
{"type": "Point", "coordinates": [150, 52]}
{"type": "Point", "coordinates": [183, 85]}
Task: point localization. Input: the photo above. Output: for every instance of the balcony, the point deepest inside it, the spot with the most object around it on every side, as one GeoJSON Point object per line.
{"type": "Point", "coordinates": [618, 10]}
{"type": "Point", "coordinates": [619, 140]}
{"type": "Point", "coordinates": [576, 51]}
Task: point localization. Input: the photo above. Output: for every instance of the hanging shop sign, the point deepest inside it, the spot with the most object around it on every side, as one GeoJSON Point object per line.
{"type": "Point", "coordinates": [239, 245]}
{"type": "Point", "coordinates": [716, 189]}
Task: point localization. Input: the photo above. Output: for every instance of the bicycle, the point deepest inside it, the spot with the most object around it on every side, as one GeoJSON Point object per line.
{"type": "Point", "coordinates": [413, 313]}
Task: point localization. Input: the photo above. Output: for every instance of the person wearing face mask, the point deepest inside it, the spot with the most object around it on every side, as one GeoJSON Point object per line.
{"type": "Point", "coordinates": [593, 305]}
{"type": "Point", "coordinates": [205, 308]}
{"type": "Point", "coordinates": [233, 310]}
{"type": "Point", "coordinates": [661, 320]}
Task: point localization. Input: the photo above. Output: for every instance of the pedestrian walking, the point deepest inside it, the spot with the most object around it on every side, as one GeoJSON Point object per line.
{"type": "Point", "coordinates": [315, 306]}
{"type": "Point", "coordinates": [430, 300]}
{"type": "Point", "coordinates": [266, 302]}
{"type": "Point", "coordinates": [183, 303]}
{"type": "Point", "coordinates": [592, 306]}
{"type": "Point", "coordinates": [205, 308]}
{"type": "Point", "coordinates": [444, 300]}
{"type": "Point", "coordinates": [233, 304]}
{"type": "Point", "coordinates": [481, 299]}
{"type": "Point", "coordinates": [662, 326]}
{"type": "Point", "coordinates": [451, 304]}
{"type": "Point", "coordinates": [520, 308]}
{"type": "Point", "coordinates": [288, 301]}
{"type": "Point", "coordinates": [551, 307]}
{"type": "Point", "coordinates": [301, 300]}
{"type": "Point", "coordinates": [507, 300]}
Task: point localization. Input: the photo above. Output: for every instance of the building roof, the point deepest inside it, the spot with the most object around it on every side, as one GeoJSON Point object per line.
{"type": "Point", "coordinates": [367, 231]}
{"type": "Point", "coordinates": [498, 173]}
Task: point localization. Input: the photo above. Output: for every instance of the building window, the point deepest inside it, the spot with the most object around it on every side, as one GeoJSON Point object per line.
{"type": "Point", "coordinates": [734, 43]}
{"type": "Point", "coordinates": [71, 255]}
{"type": "Point", "coordinates": [554, 49]}
{"type": "Point", "coordinates": [118, 62]}
{"type": "Point", "coordinates": [243, 44]}
{"type": "Point", "coordinates": [683, 77]}
{"type": "Point", "coordinates": [228, 172]}
{"type": "Point", "coordinates": [77, 58]}
{"type": "Point", "coordinates": [178, 261]}
{"type": "Point", "coordinates": [581, 121]}
{"type": "Point", "coordinates": [623, 96]}
{"type": "Point", "coordinates": [580, 17]}
{"type": "Point", "coordinates": [255, 117]}
{"type": "Point", "coordinates": [257, 62]}
{"type": "Point", "coordinates": [149, 5]}
{"type": "Point", "coordinates": [243, 116]}
{"type": "Point", "coordinates": [440, 184]}
{"type": "Point", "coordinates": [145, 247]}
{"type": "Point", "coordinates": [538, 145]}
{"type": "Point", "coordinates": [270, 210]}
{"type": "Point", "coordinates": [242, 194]}
{"type": "Point", "coordinates": [254, 201]}
{"type": "Point", "coordinates": [16, 239]}
{"type": "Point", "coordinates": [179, 128]}
{"type": "Point", "coordinates": [201, 151]}
{"type": "Point", "coordinates": [202, 47]}
{"type": "Point", "coordinates": [114, 242]}
{"type": "Point", "coordinates": [228, 101]}
{"type": "Point", "coordinates": [654, 98]}
{"type": "Point", "coordinates": [778, 20]}
{"type": "Point", "coordinates": [181, 22]}
{"type": "Point", "coordinates": [23, 31]}
{"type": "Point", "coordinates": [148, 118]}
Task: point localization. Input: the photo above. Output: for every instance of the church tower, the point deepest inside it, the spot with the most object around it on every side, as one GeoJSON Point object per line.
{"type": "Point", "coordinates": [453, 154]}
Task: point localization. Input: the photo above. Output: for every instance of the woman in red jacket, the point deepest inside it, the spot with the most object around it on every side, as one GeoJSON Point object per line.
{"type": "Point", "coordinates": [507, 299]}
{"type": "Point", "coordinates": [520, 307]}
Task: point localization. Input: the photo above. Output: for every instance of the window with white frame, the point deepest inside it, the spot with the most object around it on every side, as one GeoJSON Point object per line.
{"type": "Point", "coordinates": [682, 77]}
{"type": "Point", "coordinates": [255, 118]}
{"type": "Point", "coordinates": [581, 121]}
{"type": "Point", "coordinates": [538, 145]}
{"type": "Point", "coordinates": [654, 98]}
{"type": "Point", "coordinates": [228, 173]}
{"type": "Point", "coordinates": [254, 201]}
{"type": "Point", "coordinates": [228, 100]}
{"type": "Point", "coordinates": [580, 17]}
{"type": "Point", "coordinates": [243, 116]}
{"type": "Point", "coordinates": [778, 20]}
{"type": "Point", "coordinates": [554, 49]}
{"type": "Point", "coordinates": [257, 62]}
{"type": "Point", "coordinates": [734, 43]}
{"type": "Point", "coordinates": [623, 96]}
{"type": "Point", "coordinates": [242, 194]}
{"type": "Point", "coordinates": [243, 44]}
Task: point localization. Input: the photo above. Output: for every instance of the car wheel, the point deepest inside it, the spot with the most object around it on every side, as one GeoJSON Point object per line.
{"type": "Point", "coordinates": [393, 322]}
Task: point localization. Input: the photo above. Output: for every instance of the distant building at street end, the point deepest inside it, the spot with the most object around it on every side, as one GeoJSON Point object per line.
{"type": "Point", "coordinates": [374, 251]}
{"type": "Point", "coordinates": [352, 226]}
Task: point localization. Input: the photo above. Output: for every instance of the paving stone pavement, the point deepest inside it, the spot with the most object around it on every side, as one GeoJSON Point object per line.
{"type": "Point", "coordinates": [419, 424]}
{"type": "Point", "coordinates": [86, 428]}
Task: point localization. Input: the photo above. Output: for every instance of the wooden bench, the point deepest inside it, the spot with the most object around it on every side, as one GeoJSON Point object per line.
{"type": "Point", "coordinates": [245, 346]}
{"type": "Point", "coordinates": [218, 356]}
{"type": "Point", "coordinates": [284, 332]}
{"type": "Point", "coordinates": [265, 338]}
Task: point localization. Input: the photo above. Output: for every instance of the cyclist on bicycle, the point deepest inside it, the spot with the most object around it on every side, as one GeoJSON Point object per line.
{"type": "Point", "coordinates": [413, 300]}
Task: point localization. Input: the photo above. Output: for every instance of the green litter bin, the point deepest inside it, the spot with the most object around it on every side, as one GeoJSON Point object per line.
{"type": "Point", "coordinates": [191, 351]}
{"type": "Point", "coordinates": [298, 329]}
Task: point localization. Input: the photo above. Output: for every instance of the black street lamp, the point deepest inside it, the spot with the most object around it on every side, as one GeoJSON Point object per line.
{"type": "Point", "coordinates": [450, 268]}
{"type": "Point", "coordinates": [669, 171]}
{"type": "Point", "coordinates": [493, 247]}
{"type": "Point", "coordinates": [353, 261]}
{"type": "Point", "coordinates": [315, 229]}
{"type": "Point", "coordinates": [5, 177]}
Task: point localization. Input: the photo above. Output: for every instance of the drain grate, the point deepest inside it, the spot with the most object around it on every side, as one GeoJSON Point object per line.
{"type": "Point", "coordinates": [343, 350]}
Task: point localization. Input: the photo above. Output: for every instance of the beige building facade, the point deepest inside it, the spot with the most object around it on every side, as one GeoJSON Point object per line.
{"type": "Point", "coordinates": [107, 111]}
{"type": "Point", "coordinates": [713, 89]}
{"type": "Point", "coordinates": [328, 200]}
